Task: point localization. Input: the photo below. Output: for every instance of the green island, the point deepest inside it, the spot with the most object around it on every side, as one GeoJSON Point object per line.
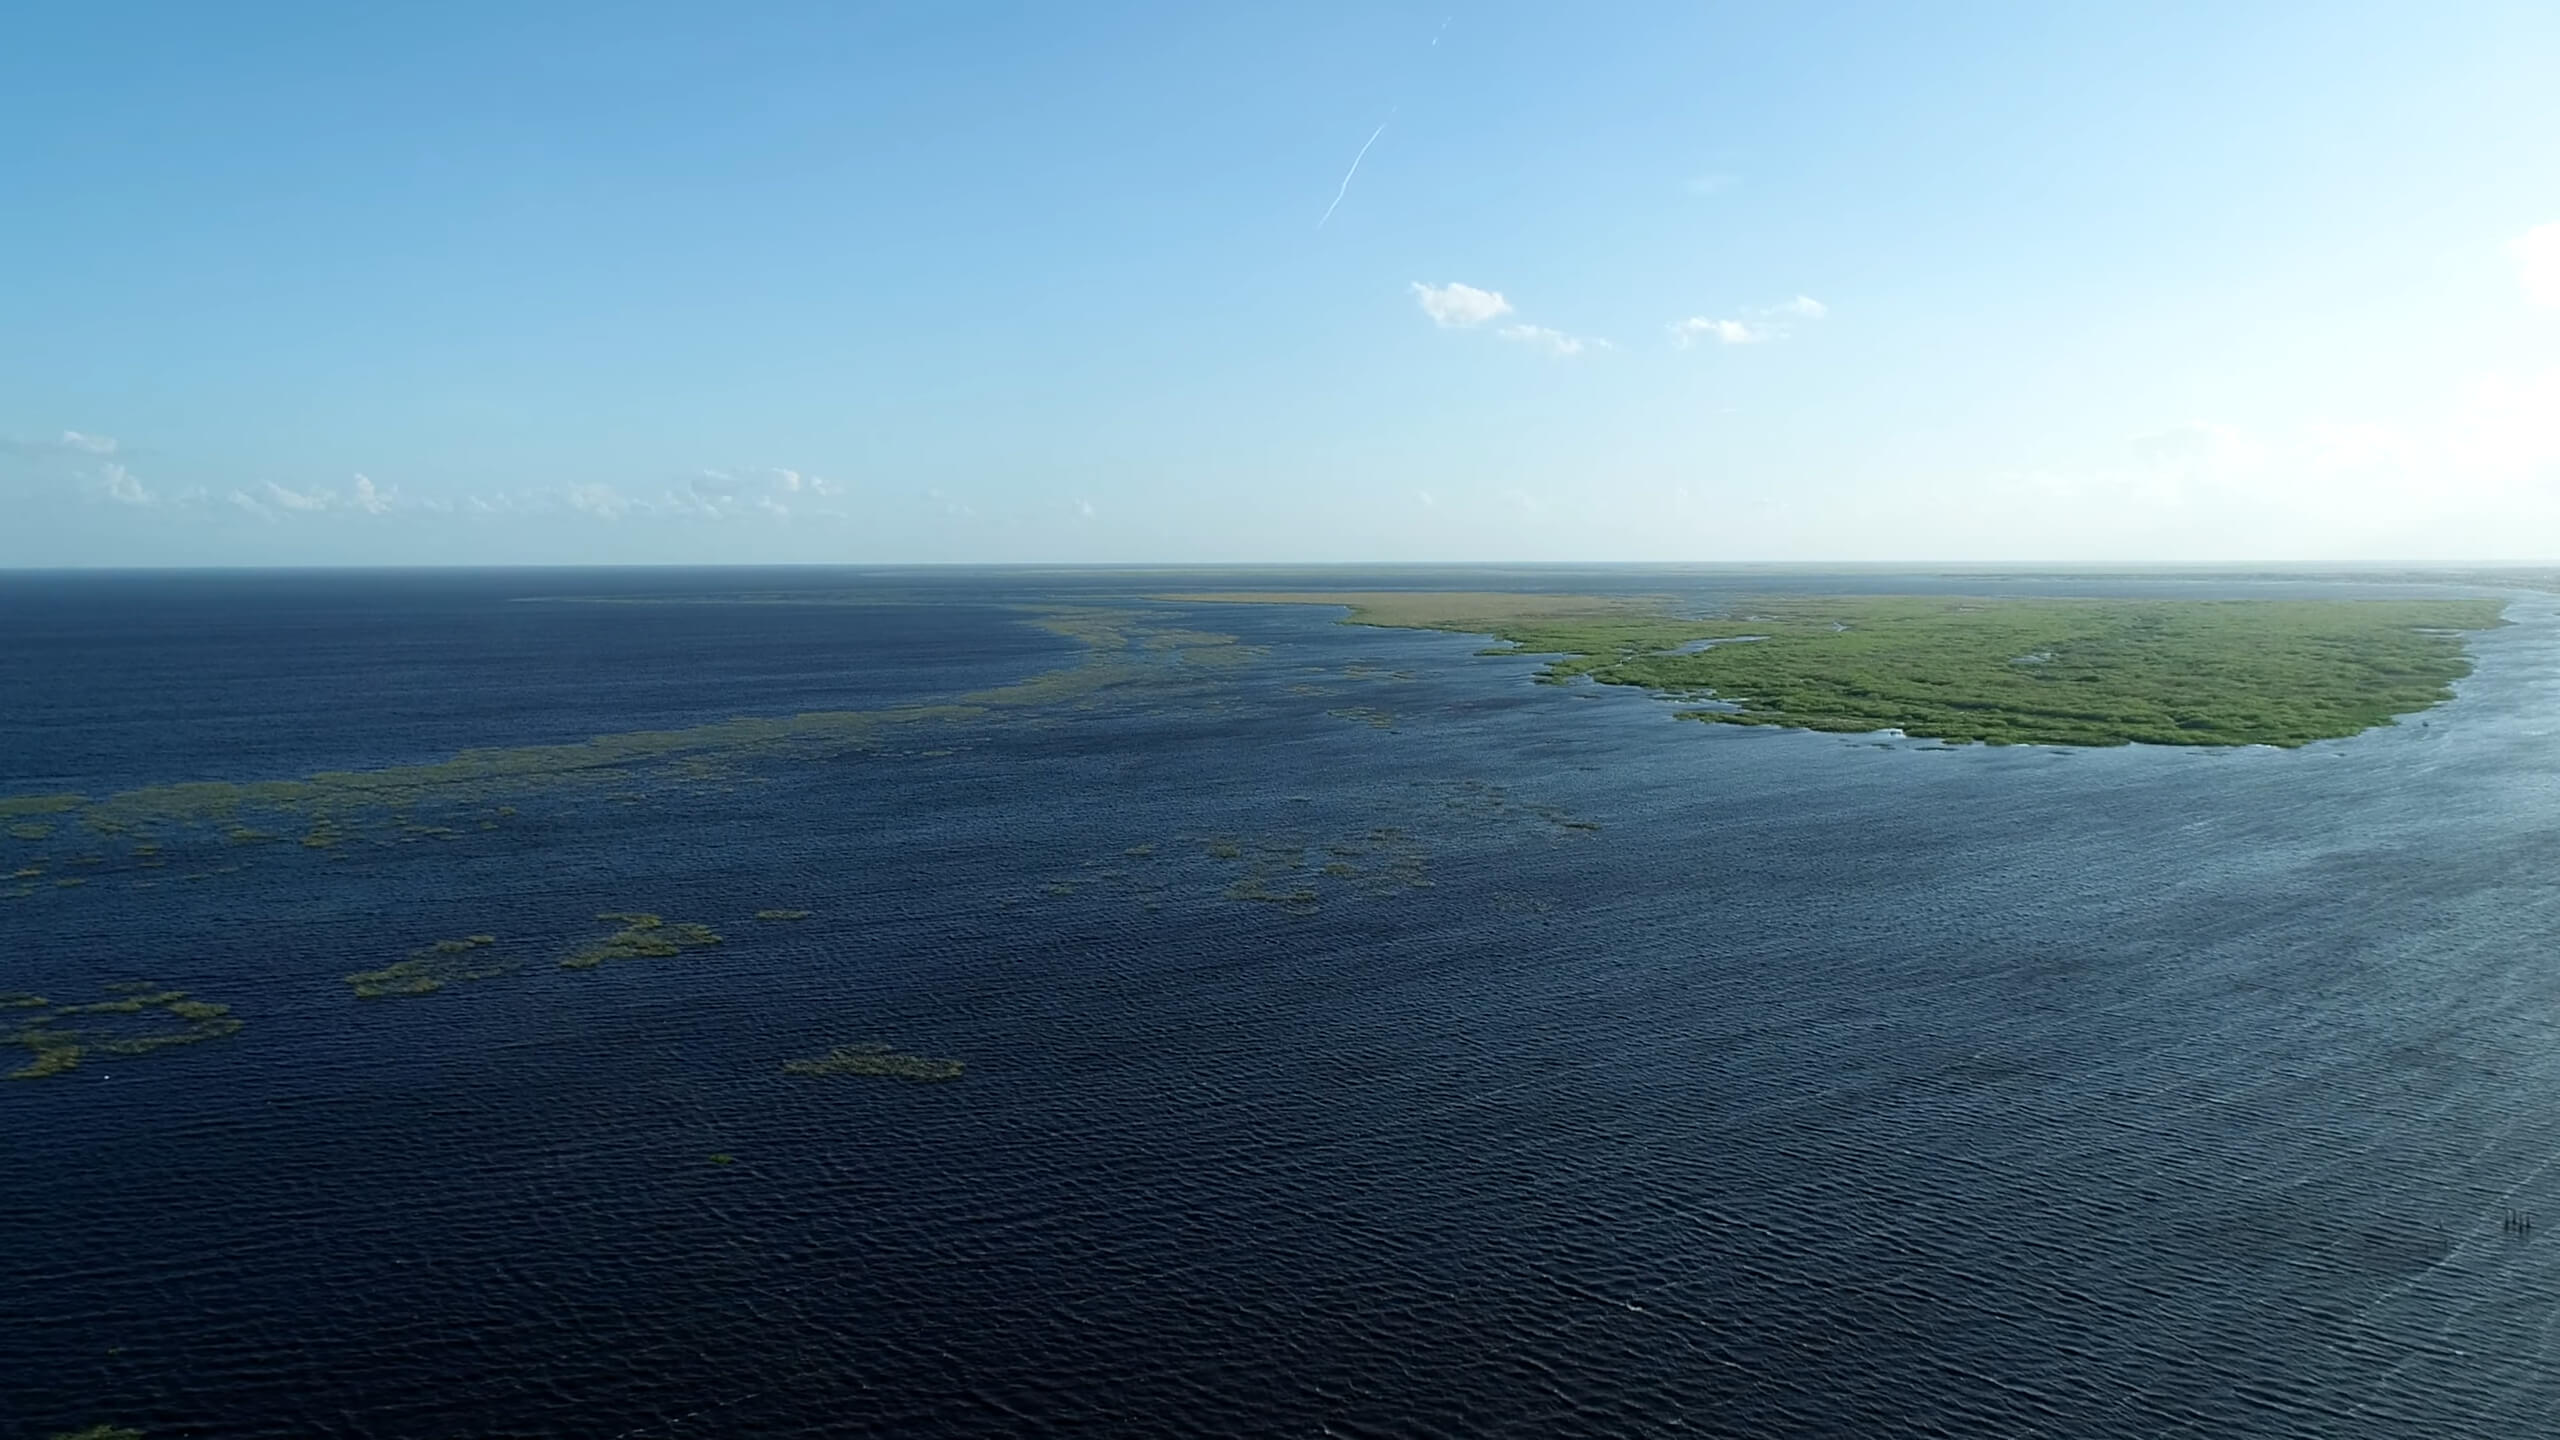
{"type": "Point", "coordinates": [430, 969]}
{"type": "Point", "coordinates": [1997, 670]}
{"type": "Point", "coordinates": [642, 936]}
{"type": "Point", "coordinates": [875, 1059]}
{"type": "Point", "coordinates": [139, 1021]}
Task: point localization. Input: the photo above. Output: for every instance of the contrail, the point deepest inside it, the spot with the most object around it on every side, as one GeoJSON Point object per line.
{"type": "Point", "coordinates": [1355, 168]}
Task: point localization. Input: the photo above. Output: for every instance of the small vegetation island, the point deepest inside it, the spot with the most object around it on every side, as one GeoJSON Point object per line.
{"type": "Point", "coordinates": [431, 969]}
{"type": "Point", "coordinates": [142, 1019]}
{"type": "Point", "coordinates": [2020, 670]}
{"type": "Point", "coordinates": [642, 936]}
{"type": "Point", "coordinates": [876, 1060]}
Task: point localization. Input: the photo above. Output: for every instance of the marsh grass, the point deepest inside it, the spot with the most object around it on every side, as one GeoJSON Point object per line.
{"type": "Point", "coordinates": [431, 968]}
{"type": "Point", "coordinates": [641, 936]}
{"type": "Point", "coordinates": [59, 1037]}
{"type": "Point", "coordinates": [1126, 651]}
{"type": "Point", "coordinates": [2108, 671]}
{"type": "Point", "coordinates": [875, 1060]}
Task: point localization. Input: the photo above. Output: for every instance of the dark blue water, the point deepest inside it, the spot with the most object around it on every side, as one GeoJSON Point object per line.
{"type": "Point", "coordinates": [1825, 1088]}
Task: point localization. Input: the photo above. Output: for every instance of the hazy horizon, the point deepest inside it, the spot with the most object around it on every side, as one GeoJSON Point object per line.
{"type": "Point", "coordinates": [1640, 283]}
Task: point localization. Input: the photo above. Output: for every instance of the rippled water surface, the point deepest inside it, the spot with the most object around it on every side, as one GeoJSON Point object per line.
{"type": "Point", "coordinates": [1358, 1037]}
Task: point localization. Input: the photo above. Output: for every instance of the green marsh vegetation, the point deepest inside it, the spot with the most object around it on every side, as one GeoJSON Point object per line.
{"type": "Point", "coordinates": [641, 936]}
{"type": "Point", "coordinates": [875, 1060]}
{"type": "Point", "coordinates": [1294, 872]}
{"type": "Point", "coordinates": [430, 969]}
{"type": "Point", "coordinates": [140, 1020]}
{"type": "Point", "coordinates": [782, 914]}
{"type": "Point", "coordinates": [1489, 801]}
{"type": "Point", "coordinates": [2000, 670]}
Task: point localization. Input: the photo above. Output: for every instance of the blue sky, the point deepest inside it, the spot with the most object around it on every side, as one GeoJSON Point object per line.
{"type": "Point", "coordinates": [483, 283]}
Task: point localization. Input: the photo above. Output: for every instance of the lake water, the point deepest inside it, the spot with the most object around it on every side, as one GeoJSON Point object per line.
{"type": "Point", "coordinates": [1360, 1039]}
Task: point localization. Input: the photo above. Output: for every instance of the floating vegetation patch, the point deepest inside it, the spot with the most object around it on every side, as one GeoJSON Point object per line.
{"type": "Point", "coordinates": [428, 970]}
{"type": "Point", "coordinates": [782, 914]}
{"type": "Point", "coordinates": [878, 1060]}
{"type": "Point", "coordinates": [642, 936]}
{"type": "Point", "coordinates": [1375, 719]}
{"type": "Point", "coordinates": [30, 830]}
{"type": "Point", "coordinates": [722, 1157]}
{"type": "Point", "coordinates": [1284, 869]}
{"type": "Point", "coordinates": [100, 1432]}
{"type": "Point", "coordinates": [12, 806]}
{"type": "Point", "coordinates": [1125, 649]}
{"type": "Point", "coordinates": [139, 1021]}
{"type": "Point", "coordinates": [1487, 801]}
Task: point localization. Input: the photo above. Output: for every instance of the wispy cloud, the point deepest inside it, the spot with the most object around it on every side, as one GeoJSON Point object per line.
{"type": "Point", "coordinates": [1685, 333]}
{"type": "Point", "coordinates": [1555, 342]}
{"type": "Point", "coordinates": [118, 484]}
{"type": "Point", "coordinates": [1764, 323]}
{"type": "Point", "coordinates": [2537, 253]}
{"type": "Point", "coordinates": [600, 500]}
{"type": "Point", "coordinates": [72, 444]}
{"type": "Point", "coordinates": [1345, 187]}
{"type": "Point", "coordinates": [82, 459]}
{"type": "Point", "coordinates": [303, 502]}
{"type": "Point", "coordinates": [1457, 306]}
{"type": "Point", "coordinates": [94, 467]}
{"type": "Point", "coordinates": [773, 490]}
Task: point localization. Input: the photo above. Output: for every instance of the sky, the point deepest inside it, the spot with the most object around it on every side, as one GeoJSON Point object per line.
{"type": "Point", "coordinates": [952, 281]}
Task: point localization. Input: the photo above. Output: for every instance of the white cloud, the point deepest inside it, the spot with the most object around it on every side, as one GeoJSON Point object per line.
{"type": "Point", "coordinates": [1556, 341]}
{"type": "Point", "coordinates": [1685, 333]}
{"type": "Point", "coordinates": [88, 444]}
{"type": "Point", "coordinates": [368, 499]}
{"type": "Point", "coordinates": [717, 494]}
{"type": "Point", "coordinates": [118, 484]}
{"type": "Point", "coordinates": [2537, 253]}
{"type": "Point", "coordinates": [302, 501]}
{"type": "Point", "coordinates": [602, 501]}
{"type": "Point", "coordinates": [1458, 306]}
{"type": "Point", "coordinates": [1762, 327]}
